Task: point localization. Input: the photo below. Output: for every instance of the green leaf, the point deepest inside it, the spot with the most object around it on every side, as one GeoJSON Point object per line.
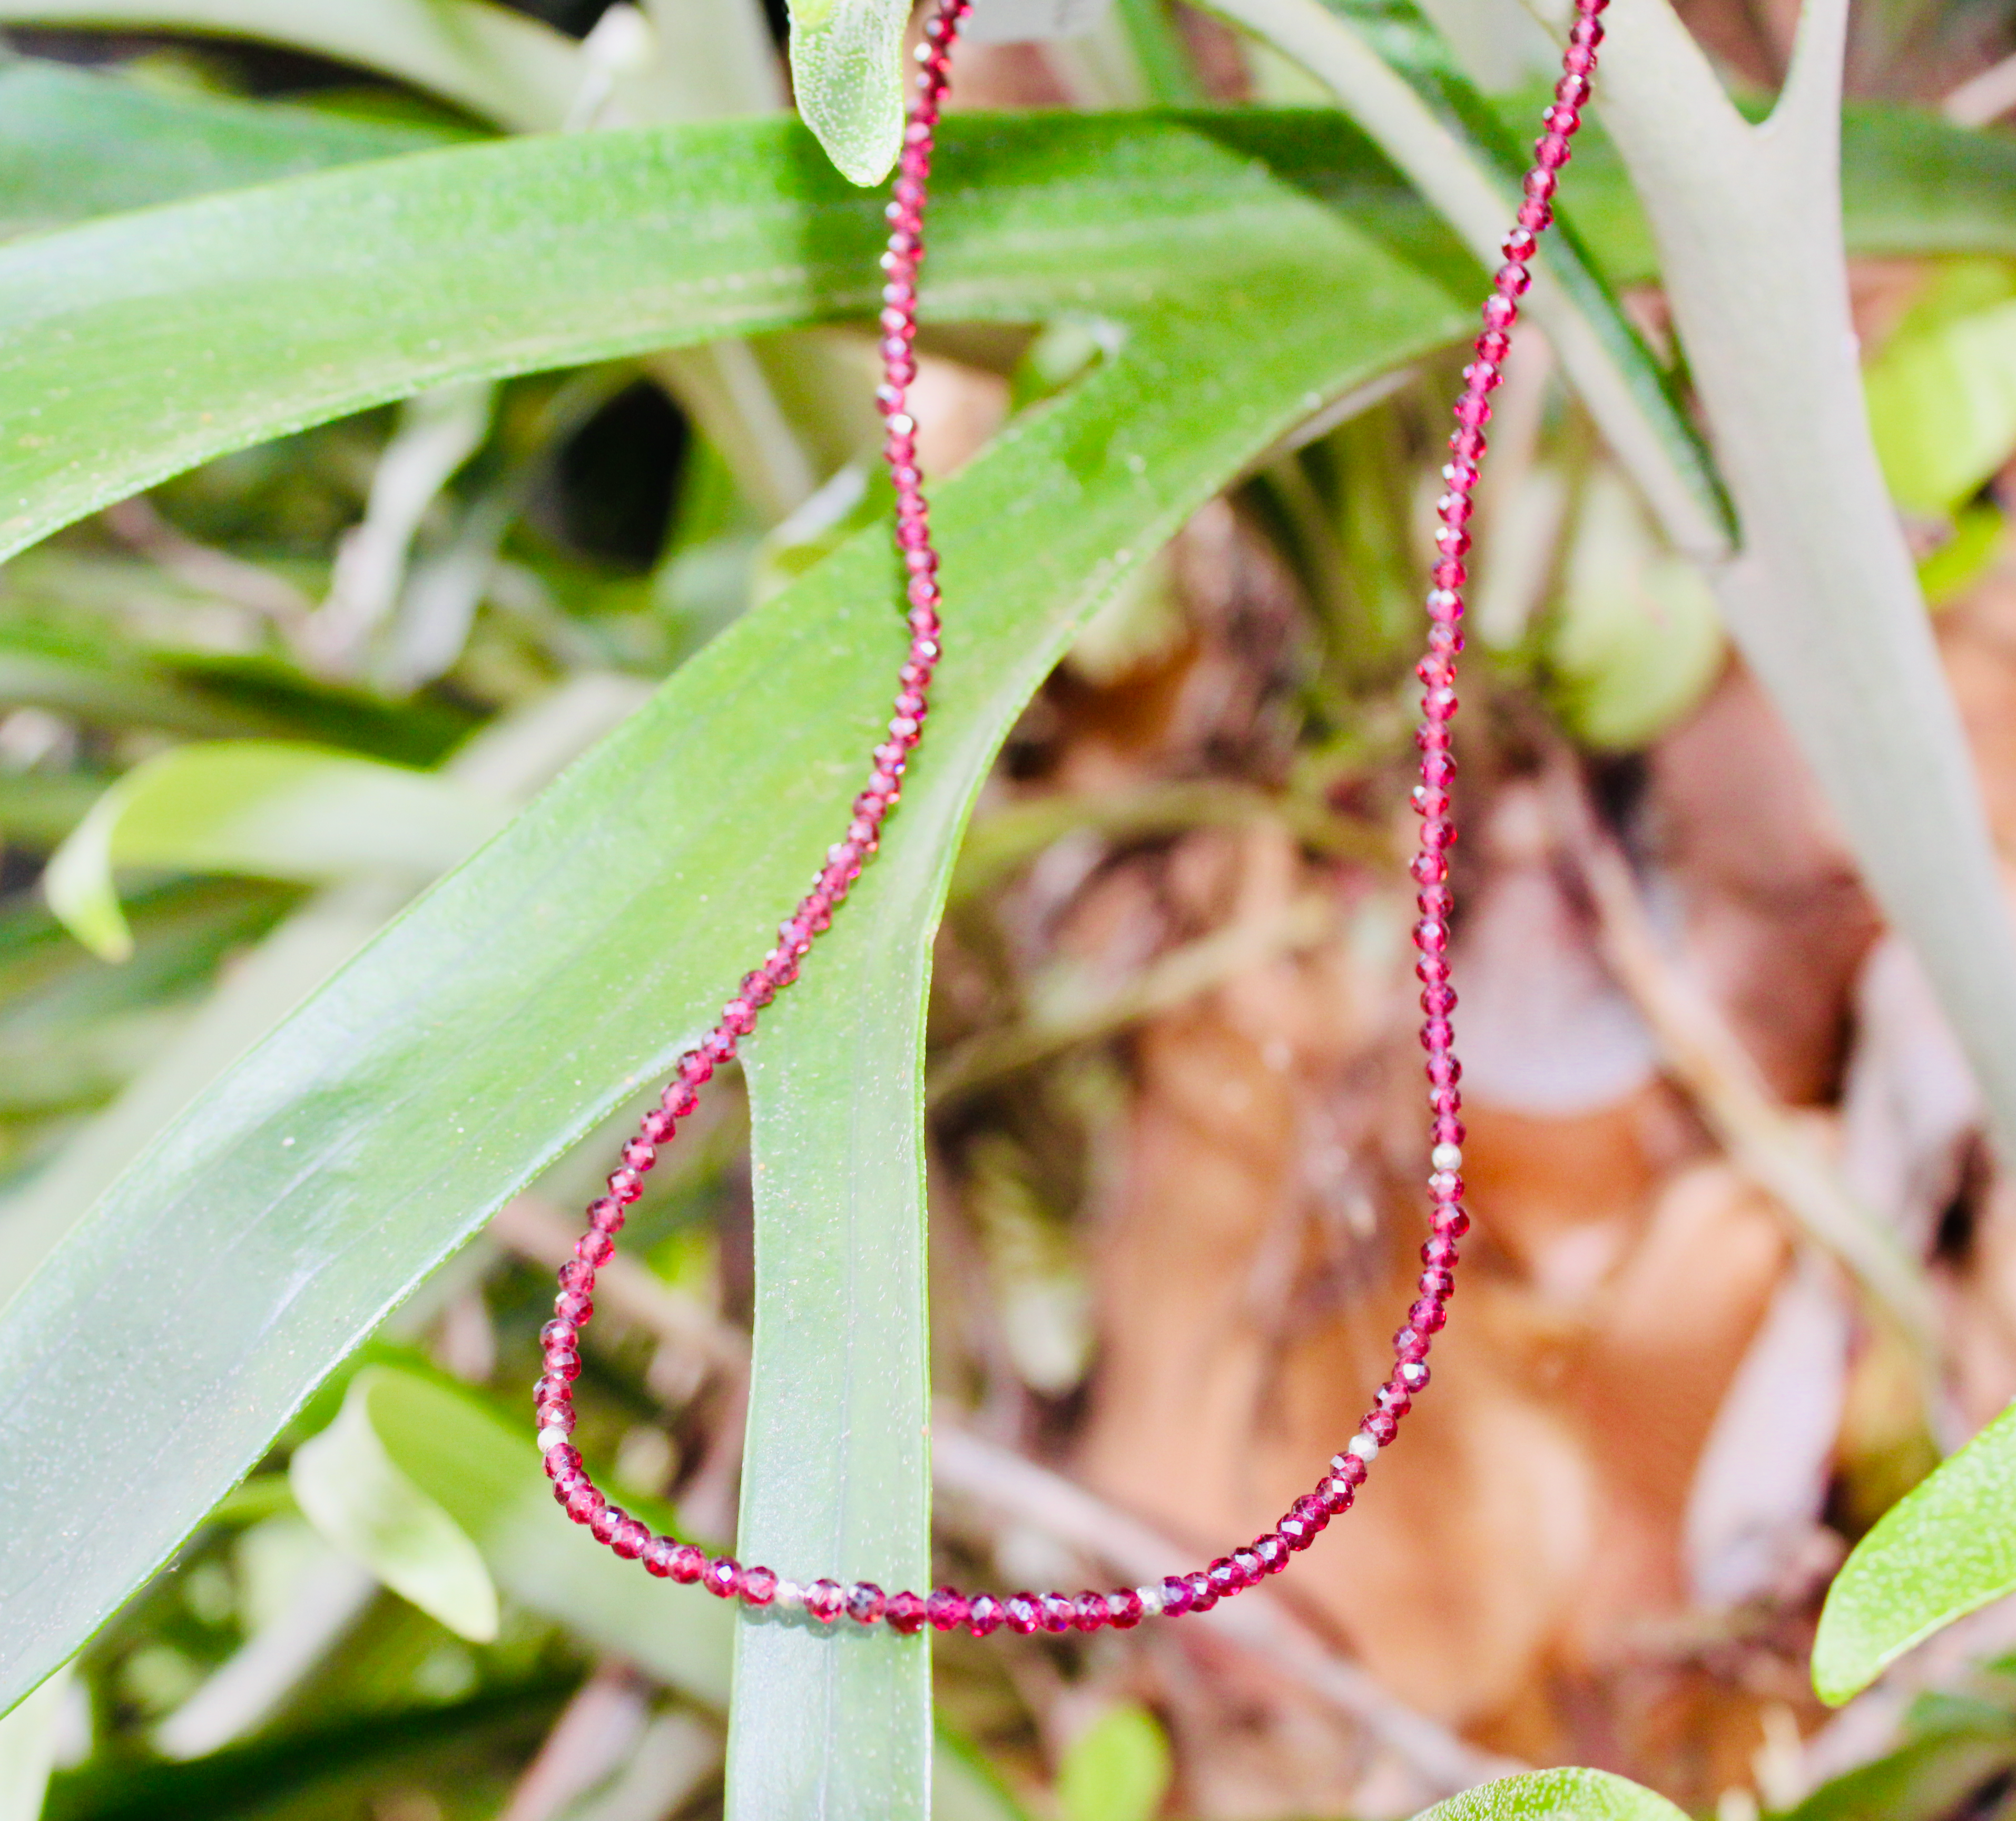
{"type": "Point", "coordinates": [1942, 389]}
{"type": "Point", "coordinates": [1118, 1769]}
{"type": "Point", "coordinates": [349, 1488]}
{"type": "Point", "coordinates": [74, 144]}
{"type": "Point", "coordinates": [1555, 1795]}
{"type": "Point", "coordinates": [1947, 1548]}
{"type": "Point", "coordinates": [1638, 642]}
{"type": "Point", "coordinates": [1926, 1779]}
{"type": "Point", "coordinates": [27, 1749]}
{"type": "Point", "coordinates": [263, 809]}
{"type": "Point", "coordinates": [1390, 70]}
{"type": "Point", "coordinates": [500, 65]}
{"type": "Point", "coordinates": [483, 1477]}
{"type": "Point", "coordinates": [846, 75]}
{"type": "Point", "coordinates": [138, 346]}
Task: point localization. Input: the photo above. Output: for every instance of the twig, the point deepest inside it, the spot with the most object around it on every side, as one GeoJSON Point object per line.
{"type": "Point", "coordinates": [1709, 1060]}
{"type": "Point", "coordinates": [1002, 843]}
{"type": "Point", "coordinates": [1256, 1622]}
{"type": "Point", "coordinates": [596, 1733]}
{"type": "Point", "coordinates": [137, 524]}
{"type": "Point", "coordinates": [1171, 980]}
{"type": "Point", "coordinates": [1983, 100]}
{"type": "Point", "coordinates": [537, 1230]}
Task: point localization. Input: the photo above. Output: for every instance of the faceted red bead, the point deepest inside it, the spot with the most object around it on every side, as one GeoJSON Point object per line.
{"type": "Point", "coordinates": [602, 1524]}
{"type": "Point", "coordinates": [638, 1155]}
{"type": "Point", "coordinates": [946, 1608]}
{"type": "Point", "coordinates": [1177, 1596]}
{"type": "Point", "coordinates": [689, 1563]}
{"type": "Point", "coordinates": [865, 1602]}
{"type": "Point", "coordinates": [1089, 1611]}
{"type": "Point", "coordinates": [1204, 1596]}
{"type": "Point", "coordinates": [1271, 1553]}
{"type": "Point", "coordinates": [1249, 1566]}
{"type": "Point", "coordinates": [1440, 1253]}
{"type": "Point", "coordinates": [738, 1018]}
{"type": "Point", "coordinates": [1348, 1467]}
{"type": "Point", "coordinates": [605, 1214]}
{"type": "Point", "coordinates": [1296, 1532]}
{"type": "Point", "coordinates": [594, 1248]}
{"type": "Point", "coordinates": [1336, 1496]}
{"type": "Point", "coordinates": [657, 1126]}
{"type": "Point", "coordinates": [695, 1069]}
{"type": "Point", "coordinates": [983, 1614]}
{"type": "Point", "coordinates": [905, 1612]}
{"type": "Point", "coordinates": [573, 1306]}
{"type": "Point", "coordinates": [759, 1586]}
{"type": "Point", "coordinates": [1381, 1426]}
{"type": "Point", "coordinates": [825, 1600]}
{"type": "Point", "coordinates": [1023, 1612]}
{"type": "Point", "coordinates": [559, 1331]}
{"type": "Point", "coordinates": [563, 1362]}
{"type": "Point", "coordinates": [1413, 1374]}
{"type": "Point", "coordinates": [585, 1504]}
{"type": "Point", "coordinates": [658, 1554]}
{"type": "Point", "coordinates": [722, 1577]}
{"type": "Point", "coordinates": [1124, 1609]}
{"type": "Point", "coordinates": [562, 1461]}
{"type": "Point", "coordinates": [1428, 1316]}
{"type": "Point", "coordinates": [1058, 1613]}
{"type": "Point", "coordinates": [1438, 1283]}
{"type": "Point", "coordinates": [576, 1276]}
{"type": "Point", "coordinates": [629, 1538]}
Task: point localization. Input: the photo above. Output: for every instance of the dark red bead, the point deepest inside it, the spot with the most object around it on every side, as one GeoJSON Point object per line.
{"type": "Point", "coordinates": [1381, 1426]}
{"type": "Point", "coordinates": [689, 1563]}
{"type": "Point", "coordinates": [1124, 1609]}
{"type": "Point", "coordinates": [825, 1600]}
{"type": "Point", "coordinates": [1177, 1596]}
{"type": "Point", "coordinates": [865, 1602]}
{"type": "Point", "coordinates": [1023, 1611]}
{"type": "Point", "coordinates": [1271, 1553]}
{"type": "Point", "coordinates": [905, 1612]}
{"type": "Point", "coordinates": [1204, 1596]}
{"type": "Point", "coordinates": [1413, 1374]}
{"type": "Point", "coordinates": [629, 1538]}
{"type": "Point", "coordinates": [602, 1526]}
{"type": "Point", "coordinates": [561, 1461]}
{"type": "Point", "coordinates": [983, 1614]}
{"type": "Point", "coordinates": [759, 1586]}
{"type": "Point", "coordinates": [1058, 1613]}
{"type": "Point", "coordinates": [722, 1577]}
{"type": "Point", "coordinates": [1089, 1611]}
{"type": "Point", "coordinates": [947, 1608]}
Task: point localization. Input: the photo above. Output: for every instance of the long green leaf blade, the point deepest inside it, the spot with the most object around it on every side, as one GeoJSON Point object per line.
{"type": "Point", "coordinates": [498, 63]}
{"type": "Point", "coordinates": [73, 144]}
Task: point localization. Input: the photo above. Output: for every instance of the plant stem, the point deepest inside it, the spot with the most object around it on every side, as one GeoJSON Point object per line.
{"type": "Point", "coordinates": [1823, 602]}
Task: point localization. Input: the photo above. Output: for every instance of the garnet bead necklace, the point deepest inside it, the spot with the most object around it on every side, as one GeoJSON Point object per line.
{"type": "Point", "coordinates": [946, 1608]}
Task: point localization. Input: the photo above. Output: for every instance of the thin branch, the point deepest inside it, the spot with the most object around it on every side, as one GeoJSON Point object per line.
{"type": "Point", "coordinates": [1708, 1059]}
{"type": "Point", "coordinates": [1169, 981]}
{"type": "Point", "coordinates": [537, 1230]}
{"type": "Point", "coordinates": [1257, 1623]}
{"type": "Point", "coordinates": [1983, 100]}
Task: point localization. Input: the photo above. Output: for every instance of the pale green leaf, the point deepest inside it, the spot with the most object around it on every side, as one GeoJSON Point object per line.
{"type": "Point", "coordinates": [1555, 1795]}
{"type": "Point", "coordinates": [1637, 643]}
{"type": "Point", "coordinates": [1942, 388]}
{"type": "Point", "coordinates": [27, 1749]}
{"type": "Point", "coordinates": [496, 63]}
{"type": "Point", "coordinates": [1118, 1769]}
{"type": "Point", "coordinates": [353, 1492]}
{"type": "Point", "coordinates": [1946, 1548]}
{"type": "Point", "coordinates": [485, 1476]}
{"type": "Point", "coordinates": [847, 74]}
{"type": "Point", "coordinates": [263, 809]}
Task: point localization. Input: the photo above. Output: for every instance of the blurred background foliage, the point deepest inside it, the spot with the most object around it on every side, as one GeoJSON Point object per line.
{"type": "Point", "coordinates": [1169, 1046]}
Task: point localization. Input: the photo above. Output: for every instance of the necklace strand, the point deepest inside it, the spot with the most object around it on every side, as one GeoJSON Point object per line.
{"type": "Point", "coordinates": [947, 1608]}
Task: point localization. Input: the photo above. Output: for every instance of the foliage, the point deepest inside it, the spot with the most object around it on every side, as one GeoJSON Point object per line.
{"type": "Point", "coordinates": [242, 774]}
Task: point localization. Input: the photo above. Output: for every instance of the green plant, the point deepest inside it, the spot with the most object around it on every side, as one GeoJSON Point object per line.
{"type": "Point", "coordinates": [1234, 274]}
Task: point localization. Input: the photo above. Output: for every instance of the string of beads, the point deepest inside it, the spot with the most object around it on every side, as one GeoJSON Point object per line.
{"type": "Point", "coordinates": [947, 1608]}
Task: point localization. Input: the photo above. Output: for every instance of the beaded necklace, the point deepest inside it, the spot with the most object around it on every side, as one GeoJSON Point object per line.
{"type": "Point", "coordinates": [947, 1608]}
